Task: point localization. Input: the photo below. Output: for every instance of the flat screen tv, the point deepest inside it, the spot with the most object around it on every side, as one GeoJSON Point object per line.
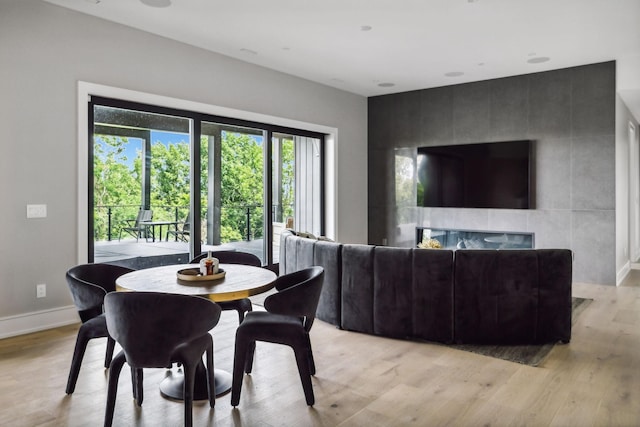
{"type": "Point", "coordinates": [486, 175]}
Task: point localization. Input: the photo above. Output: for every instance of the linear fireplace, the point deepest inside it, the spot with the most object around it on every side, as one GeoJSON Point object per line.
{"type": "Point", "coordinates": [475, 239]}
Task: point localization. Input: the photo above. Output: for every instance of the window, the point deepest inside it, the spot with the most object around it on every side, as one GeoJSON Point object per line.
{"type": "Point", "coordinates": [209, 182]}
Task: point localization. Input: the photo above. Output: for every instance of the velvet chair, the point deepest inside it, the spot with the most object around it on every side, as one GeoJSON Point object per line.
{"type": "Point", "coordinates": [89, 283]}
{"type": "Point", "coordinates": [243, 305]}
{"type": "Point", "coordinates": [287, 320]}
{"type": "Point", "coordinates": [155, 330]}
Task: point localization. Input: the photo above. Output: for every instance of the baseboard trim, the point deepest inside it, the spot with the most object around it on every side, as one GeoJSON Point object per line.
{"type": "Point", "coordinates": [622, 273]}
{"type": "Point", "coordinates": [36, 321]}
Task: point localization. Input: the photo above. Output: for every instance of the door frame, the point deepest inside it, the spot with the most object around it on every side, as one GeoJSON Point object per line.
{"type": "Point", "coordinates": [87, 89]}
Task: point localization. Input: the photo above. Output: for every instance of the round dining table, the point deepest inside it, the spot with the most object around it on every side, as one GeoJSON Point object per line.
{"type": "Point", "coordinates": [239, 281]}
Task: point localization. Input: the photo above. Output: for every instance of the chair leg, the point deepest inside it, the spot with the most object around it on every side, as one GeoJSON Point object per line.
{"type": "Point", "coordinates": [239, 358]}
{"type": "Point", "coordinates": [136, 382]}
{"type": "Point", "coordinates": [302, 360]}
{"type": "Point", "coordinates": [312, 363]}
{"type": "Point", "coordinates": [111, 344]}
{"type": "Point", "coordinates": [114, 373]}
{"type": "Point", "coordinates": [244, 306]}
{"type": "Point", "coordinates": [211, 381]}
{"type": "Point", "coordinates": [251, 350]}
{"type": "Point", "coordinates": [78, 354]}
{"type": "Point", "coordinates": [189, 379]}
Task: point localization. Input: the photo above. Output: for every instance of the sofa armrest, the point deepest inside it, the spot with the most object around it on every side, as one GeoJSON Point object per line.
{"type": "Point", "coordinates": [554, 303]}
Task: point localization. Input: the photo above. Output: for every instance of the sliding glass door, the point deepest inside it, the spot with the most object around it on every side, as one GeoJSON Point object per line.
{"type": "Point", "coordinates": [157, 194]}
{"type": "Point", "coordinates": [296, 186]}
{"type": "Point", "coordinates": [233, 198]}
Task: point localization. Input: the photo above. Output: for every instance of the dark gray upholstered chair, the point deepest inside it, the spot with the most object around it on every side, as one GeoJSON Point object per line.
{"type": "Point", "coordinates": [243, 305]}
{"type": "Point", "coordinates": [89, 283]}
{"type": "Point", "coordinates": [155, 330]}
{"type": "Point", "coordinates": [288, 320]}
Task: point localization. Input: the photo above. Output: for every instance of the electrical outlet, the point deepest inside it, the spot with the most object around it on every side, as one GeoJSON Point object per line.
{"type": "Point", "coordinates": [41, 290]}
{"type": "Point", "coordinates": [36, 211]}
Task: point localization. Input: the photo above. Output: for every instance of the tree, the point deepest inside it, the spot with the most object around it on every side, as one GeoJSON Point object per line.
{"type": "Point", "coordinates": [115, 183]}
{"type": "Point", "coordinates": [242, 185]}
{"type": "Point", "coordinates": [118, 182]}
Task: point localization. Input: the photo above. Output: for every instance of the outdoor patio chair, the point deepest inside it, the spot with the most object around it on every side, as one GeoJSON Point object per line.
{"type": "Point", "coordinates": [182, 232]}
{"type": "Point", "coordinates": [136, 227]}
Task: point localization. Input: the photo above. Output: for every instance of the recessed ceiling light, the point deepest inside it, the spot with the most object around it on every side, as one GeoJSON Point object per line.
{"type": "Point", "coordinates": [386, 84]}
{"type": "Point", "coordinates": [538, 59]}
{"type": "Point", "coordinates": [156, 3]}
{"type": "Point", "coordinates": [366, 28]}
{"type": "Point", "coordinates": [454, 74]}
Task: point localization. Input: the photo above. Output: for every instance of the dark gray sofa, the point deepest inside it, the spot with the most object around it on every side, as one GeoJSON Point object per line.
{"type": "Point", "coordinates": [466, 296]}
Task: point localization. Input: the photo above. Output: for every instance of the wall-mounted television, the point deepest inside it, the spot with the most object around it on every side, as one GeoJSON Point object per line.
{"type": "Point", "coordinates": [484, 175]}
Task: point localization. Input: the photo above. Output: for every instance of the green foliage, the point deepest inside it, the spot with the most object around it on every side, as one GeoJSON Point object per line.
{"type": "Point", "coordinates": [242, 185]}
{"type": "Point", "coordinates": [115, 184]}
{"type": "Point", "coordinates": [118, 183]}
{"type": "Point", "coordinates": [170, 166]}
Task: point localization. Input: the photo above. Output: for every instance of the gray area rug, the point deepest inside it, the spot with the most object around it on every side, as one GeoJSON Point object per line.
{"type": "Point", "coordinates": [531, 355]}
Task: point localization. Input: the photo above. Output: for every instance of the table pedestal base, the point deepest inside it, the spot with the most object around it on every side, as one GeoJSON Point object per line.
{"type": "Point", "coordinates": [172, 386]}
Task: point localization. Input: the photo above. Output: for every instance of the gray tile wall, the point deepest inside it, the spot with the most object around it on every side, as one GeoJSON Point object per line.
{"type": "Point", "coordinates": [569, 113]}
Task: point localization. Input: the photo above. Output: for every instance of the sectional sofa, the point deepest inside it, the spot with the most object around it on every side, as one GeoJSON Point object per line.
{"type": "Point", "coordinates": [464, 296]}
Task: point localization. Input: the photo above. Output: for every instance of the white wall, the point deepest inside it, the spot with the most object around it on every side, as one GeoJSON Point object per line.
{"type": "Point", "coordinates": [44, 52]}
{"type": "Point", "coordinates": [627, 111]}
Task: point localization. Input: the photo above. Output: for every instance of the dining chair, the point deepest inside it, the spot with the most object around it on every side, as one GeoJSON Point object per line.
{"type": "Point", "coordinates": [89, 283]}
{"type": "Point", "coordinates": [287, 320]}
{"type": "Point", "coordinates": [242, 305]}
{"type": "Point", "coordinates": [155, 330]}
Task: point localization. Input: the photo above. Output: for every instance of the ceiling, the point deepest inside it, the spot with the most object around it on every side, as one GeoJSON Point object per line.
{"type": "Point", "coordinates": [373, 47]}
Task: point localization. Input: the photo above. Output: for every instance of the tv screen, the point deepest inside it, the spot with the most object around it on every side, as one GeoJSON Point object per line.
{"type": "Point", "coordinates": [486, 175]}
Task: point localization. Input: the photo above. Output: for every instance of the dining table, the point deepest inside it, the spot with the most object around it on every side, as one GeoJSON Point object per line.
{"type": "Point", "coordinates": [232, 282]}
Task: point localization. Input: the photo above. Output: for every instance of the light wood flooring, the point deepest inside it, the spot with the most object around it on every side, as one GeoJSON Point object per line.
{"type": "Point", "coordinates": [361, 380]}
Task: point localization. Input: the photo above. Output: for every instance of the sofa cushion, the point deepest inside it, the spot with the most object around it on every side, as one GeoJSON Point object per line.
{"type": "Point", "coordinates": [433, 294]}
{"type": "Point", "coordinates": [495, 296]}
{"type": "Point", "coordinates": [329, 256]}
{"type": "Point", "coordinates": [392, 295]}
{"type": "Point", "coordinates": [305, 252]}
{"type": "Point", "coordinates": [357, 288]}
{"type": "Point", "coordinates": [291, 255]}
{"type": "Point", "coordinates": [282, 259]}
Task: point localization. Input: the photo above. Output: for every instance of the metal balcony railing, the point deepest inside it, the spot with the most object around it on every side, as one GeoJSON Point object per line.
{"type": "Point", "coordinates": [243, 220]}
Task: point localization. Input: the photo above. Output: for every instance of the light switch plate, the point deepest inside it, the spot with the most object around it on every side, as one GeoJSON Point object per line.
{"type": "Point", "coordinates": [36, 211]}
